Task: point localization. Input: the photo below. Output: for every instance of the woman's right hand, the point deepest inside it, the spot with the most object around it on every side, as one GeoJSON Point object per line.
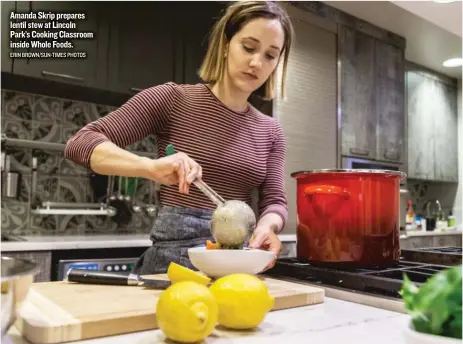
{"type": "Point", "coordinates": [177, 168]}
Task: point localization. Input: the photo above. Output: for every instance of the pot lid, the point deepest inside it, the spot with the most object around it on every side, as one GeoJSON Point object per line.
{"type": "Point", "coordinates": [400, 174]}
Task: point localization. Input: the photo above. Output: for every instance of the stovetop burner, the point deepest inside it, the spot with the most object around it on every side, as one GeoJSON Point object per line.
{"type": "Point", "coordinates": [419, 265]}
{"type": "Point", "coordinates": [386, 281]}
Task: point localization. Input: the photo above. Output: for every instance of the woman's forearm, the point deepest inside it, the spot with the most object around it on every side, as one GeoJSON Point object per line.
{"type": "Point", "coordinates": [108, 159]}
{"type": "Point", "coordinates": [272, 220]}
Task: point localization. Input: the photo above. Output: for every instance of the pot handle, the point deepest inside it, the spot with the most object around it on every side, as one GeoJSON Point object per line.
{"type": "Point", "coordinates": [311, 190]}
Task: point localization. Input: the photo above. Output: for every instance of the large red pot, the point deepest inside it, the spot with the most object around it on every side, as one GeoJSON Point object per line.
{"type": "Point", "coordinates": [348, 216]}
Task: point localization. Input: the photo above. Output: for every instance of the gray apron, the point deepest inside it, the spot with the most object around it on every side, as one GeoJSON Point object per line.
{"type": "Point", "coordinates": [174, 231]}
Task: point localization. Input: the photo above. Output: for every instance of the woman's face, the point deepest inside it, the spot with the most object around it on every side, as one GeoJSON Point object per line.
{"type": "Point", "coordinates": [253, 53]}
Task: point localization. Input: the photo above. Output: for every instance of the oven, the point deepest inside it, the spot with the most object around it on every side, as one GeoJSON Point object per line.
{"type": "Point", "coordinates": [108, 264]}
{"type": "Point", "coordinates": [120, 259]}
{"type": "Point", "coordinates": [366, 164]}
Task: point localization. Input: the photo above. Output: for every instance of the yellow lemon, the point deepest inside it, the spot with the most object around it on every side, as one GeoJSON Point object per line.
{"type": "Point", "coordinates": [186, 312]}
{"type": "Point", "coordinates": [5, 287]}
{"type": "Point", "coordinates": [243, 301]}
{"type": "Point", "coordinates": [178, 273]}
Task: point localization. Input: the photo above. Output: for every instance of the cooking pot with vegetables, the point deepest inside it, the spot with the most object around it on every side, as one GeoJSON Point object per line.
{"type": "Point", "coordinates": [348, 216]}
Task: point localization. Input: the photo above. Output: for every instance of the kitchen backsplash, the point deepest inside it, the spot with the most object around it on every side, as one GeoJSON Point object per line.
{"type": "Point", "coordinates": [36, 117]}
{"type": "Point", "coordinates": [420, 192]}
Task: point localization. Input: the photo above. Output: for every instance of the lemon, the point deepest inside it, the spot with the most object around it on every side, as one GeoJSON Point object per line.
{"type": "Point", "coordinates": [178, 273]}
{"type": "Point", "coordinates": [243, 301]}
{"type": "Point", "coordinates": [5, 287]}
{"type": "Point", "coordinates": [186, 312]}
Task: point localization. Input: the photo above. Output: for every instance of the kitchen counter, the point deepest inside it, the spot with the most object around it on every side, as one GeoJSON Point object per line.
{"type": "Point", "coordinates": [334, 321]}
{"type": "Point", "coordinates": [450, 231]}
{"type": "Point", "coordinates": [48, 243]}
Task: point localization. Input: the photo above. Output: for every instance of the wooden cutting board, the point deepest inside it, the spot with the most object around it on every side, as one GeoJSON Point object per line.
{"type": "Point", "coordinates": [56, 312]}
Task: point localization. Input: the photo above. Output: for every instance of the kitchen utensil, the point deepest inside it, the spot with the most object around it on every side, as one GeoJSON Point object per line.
{"type": "Point", "coordinates": [150, 208]}
{"type": "Point", "coordinates": [135, 207]}
{"type": "Point", "coordinates": [11, 180]}
{"type": "Point", "coordinates": [100, 185]}
{"type": "Point", "coordinates": [126, 189]}
{"type": "Point", "coordinates": [113, 278]}
{"type": "Point", "coordinates": [3, 163]}
{"type": "Point", "coordinates": [35, 200]}
{"type": "Point", "coordinates": [218, 263]}
{"type": "Point", "coordinates": [232, 221]}
{"type": "Point", "coordinates": [348, 216]}
{"type": "Point", "coordinates": [123, 214]}
{"type": "Point", "coordinates": [17, 277]}
{"type": "Point", "coordinates": [60, 312]}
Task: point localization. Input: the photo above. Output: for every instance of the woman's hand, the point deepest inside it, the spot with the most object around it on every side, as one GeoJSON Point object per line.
{"type": "Point", "coordinates": [264, 238]}
{"type": "Point", "coordinates": [177, 168]}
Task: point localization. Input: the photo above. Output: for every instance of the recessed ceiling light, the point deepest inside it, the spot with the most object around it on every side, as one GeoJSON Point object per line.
{"type": "Point", "coordinates": [456, 62]}
{"type": "Point", "coordinates": [444, 1]}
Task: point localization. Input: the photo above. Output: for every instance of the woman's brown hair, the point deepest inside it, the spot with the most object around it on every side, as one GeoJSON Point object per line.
{"type": "Point", "coordinates": [236, 16]}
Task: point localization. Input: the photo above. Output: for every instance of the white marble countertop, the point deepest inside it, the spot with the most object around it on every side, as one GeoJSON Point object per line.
{"type": "Point", "coordinates": [57, 242]}
{"type": "Point", "coordinates": [333, 322]}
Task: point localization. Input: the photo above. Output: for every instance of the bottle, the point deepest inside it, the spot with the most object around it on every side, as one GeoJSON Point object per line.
{"type": "Point", "coordinates": [410, 217]}
{"type": "Point", "coordinates": [451, 219]}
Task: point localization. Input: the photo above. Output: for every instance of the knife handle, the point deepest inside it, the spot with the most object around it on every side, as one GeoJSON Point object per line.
{"type": "Point", "coordinates": [98, 277]}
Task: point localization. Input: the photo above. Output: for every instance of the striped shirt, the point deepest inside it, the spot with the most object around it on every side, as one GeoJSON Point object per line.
{"type": "Point", "coordinates": [238, 151]}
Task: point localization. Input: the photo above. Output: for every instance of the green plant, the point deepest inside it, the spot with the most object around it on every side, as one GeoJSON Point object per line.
{"type": "Point", "coordinates": [435, 306]}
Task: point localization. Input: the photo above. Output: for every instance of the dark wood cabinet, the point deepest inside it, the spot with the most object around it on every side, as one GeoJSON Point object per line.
{"type": "Point", "coordinates": [7, 61]}
{"type": "Point", "coordinates": [372, 97]}
{"type": "Point", "coordinates": [142, 45]}
{"type": "Point", "coordinates": [390, 102]}
{"type": "Point", "coordinates": [432, 126]}
{"type": "Point", "coordinates": [196, 26]}
{"type": "Point", "coordinates": [359, 119]}
{"type": "Point", "coordinates": [88, 71]}
{"type": "Point", "coordinates": [136, 45]}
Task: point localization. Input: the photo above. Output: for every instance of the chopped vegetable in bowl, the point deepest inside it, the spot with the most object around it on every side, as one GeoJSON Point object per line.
{"type": "Point", "coordinates": [436, 306]}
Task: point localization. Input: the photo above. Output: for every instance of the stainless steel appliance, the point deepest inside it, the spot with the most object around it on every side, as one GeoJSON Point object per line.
{"type": "Point", "coordinates": [366, 164]}
{"type": "Point", "coordinates": [107, 264]}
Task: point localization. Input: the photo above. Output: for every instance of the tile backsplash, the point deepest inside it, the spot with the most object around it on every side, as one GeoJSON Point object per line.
{"type": "Point", "coordinates": [41, 118]}
{"type": "Point", "coordinates": [421, 191]}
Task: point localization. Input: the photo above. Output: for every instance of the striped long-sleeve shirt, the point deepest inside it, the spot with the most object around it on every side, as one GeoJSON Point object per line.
{"type": "Point", "coordinates": [238, 151]}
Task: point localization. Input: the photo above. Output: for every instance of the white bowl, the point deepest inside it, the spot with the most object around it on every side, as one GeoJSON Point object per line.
{"type": "Point", "coordinates": [415, 337]}
{"type": "Point", "coordinates": [218, 263]}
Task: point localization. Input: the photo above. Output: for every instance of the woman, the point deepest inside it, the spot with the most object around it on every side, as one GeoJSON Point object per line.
{"type": "Point", "coordinates": [218, 135]}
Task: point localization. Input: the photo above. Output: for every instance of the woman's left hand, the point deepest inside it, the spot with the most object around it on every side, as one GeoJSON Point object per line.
{"type": "Point", "coordinates": [264, 238]}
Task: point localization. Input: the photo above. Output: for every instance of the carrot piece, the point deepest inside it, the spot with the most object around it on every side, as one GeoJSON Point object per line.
{"type": "Point", "coordinates": [210, 245]}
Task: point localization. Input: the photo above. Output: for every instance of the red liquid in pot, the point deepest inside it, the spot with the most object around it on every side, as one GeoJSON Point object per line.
{"type": "Point", "coordinates": [348, 218]}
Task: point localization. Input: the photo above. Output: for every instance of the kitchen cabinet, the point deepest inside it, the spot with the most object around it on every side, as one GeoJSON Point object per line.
{"type": "Point", "coordinates": [142, 45]}
{"type": "Point", "coordinates": [372, 97]}
{"type": "Point", "coordinates": [89, 71]}
{"type": "Point", "coordinates": [195, 35]}
{"type": "Point", "coordinates": [390, 102]}
{"type": "Point", "coordinates": [42, 258]}
{"type": "Point", "coordinates": [358, 121]}
{"type": "Point", "coordinates": [7, 62]}
{"type": "Point", "coordinates": [432, 128]}
{"type": "Point", "coordinates": [446, 135]}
